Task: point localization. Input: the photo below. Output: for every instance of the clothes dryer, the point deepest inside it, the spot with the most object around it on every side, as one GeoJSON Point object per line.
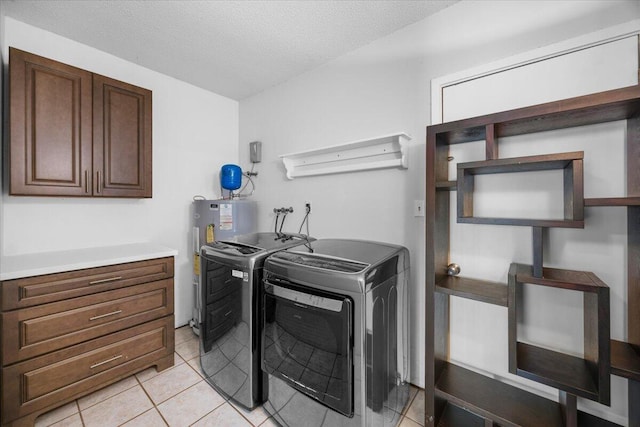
{"type": "Point", "coordinates": [335, 334]}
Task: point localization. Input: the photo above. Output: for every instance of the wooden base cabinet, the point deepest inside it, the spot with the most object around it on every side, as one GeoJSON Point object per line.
{"type": "Point", "coordinates": [55, 352]}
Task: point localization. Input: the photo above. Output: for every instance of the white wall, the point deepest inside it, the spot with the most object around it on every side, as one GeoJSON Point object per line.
{"type": "Point", "coordinates": [385, 88]}
{"type": "Point", "coordinates": [194, 133]}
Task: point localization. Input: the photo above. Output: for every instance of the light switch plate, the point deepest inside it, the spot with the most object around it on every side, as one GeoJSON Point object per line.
{"type": "Point", "coordinates": [418, 208]}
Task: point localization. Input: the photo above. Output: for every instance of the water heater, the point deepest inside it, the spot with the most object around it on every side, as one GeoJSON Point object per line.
{"type": "Point", "coordinates": [222, 219]}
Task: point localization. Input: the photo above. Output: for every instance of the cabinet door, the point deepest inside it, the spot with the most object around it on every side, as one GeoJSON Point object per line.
{"type": "Point", "coordinates": [121, 139]}
{"type": "Point", "coordinates": [50, 127]}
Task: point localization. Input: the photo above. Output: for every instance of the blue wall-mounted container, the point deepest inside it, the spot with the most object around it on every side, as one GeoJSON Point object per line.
{"type": "Point", "coordinates": [231, 177]}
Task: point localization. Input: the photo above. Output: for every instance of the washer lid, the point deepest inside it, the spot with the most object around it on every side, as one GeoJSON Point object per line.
{"type": "Point", "coordinates": [249, 244]}
{"type": "Point", "coordinates": [362, 251]}
{"type": "Point", "coordinates": [232, 248]}
{"type": "Point", "coordinates": [323, 262]}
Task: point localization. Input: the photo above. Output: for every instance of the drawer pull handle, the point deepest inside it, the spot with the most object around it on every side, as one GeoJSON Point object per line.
{"type": "Point", "coordinates": [110, 279]}
{"type": "Point", "coordinates": [105, 315]}
{"type": "Point", "coordinates": [228, 313]}
{"type": "Point", "coordinates": [105, 361]}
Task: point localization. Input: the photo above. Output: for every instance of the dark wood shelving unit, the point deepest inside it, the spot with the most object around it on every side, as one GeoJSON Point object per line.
{"type": "Point", "coordinates": [450, 389]}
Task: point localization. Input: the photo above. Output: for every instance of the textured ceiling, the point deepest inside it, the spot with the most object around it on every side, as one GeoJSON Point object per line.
{"type": "Point", "coordinates": [233, 48]}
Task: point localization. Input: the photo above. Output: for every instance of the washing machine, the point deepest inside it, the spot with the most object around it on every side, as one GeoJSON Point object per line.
{"type": "Point", "coordinates": [216, 220]}
{"type": "Point", "coordinates": [231, 273]}
{"type": "Point", "coordinates": [335, 334]}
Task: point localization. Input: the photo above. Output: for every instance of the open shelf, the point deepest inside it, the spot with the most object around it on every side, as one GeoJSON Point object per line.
{"type": "Point", "coordinates": [612, 201]}
{"type": "Point", "coordinates": [553, 223]}
{"type": "Point", "coordinates": [625, 360]}
{"type": "Point", "coordinates": [488, 398]}
{"type": "Point", "coordinates": [559, 370]}
{"type": "Point", "coordinates": [494, 400]}
{"type": "Point", "coordinates": [582, 281]}
{"type": "Point", "coordinates": [521, 164]}
{"type": "Point", "coordinates": [479, 290]}
{"type": "Point", "coordinates": [454, 416]}
{"type": "Point", "coordinates": [570, 163]}
{"type": "Point", "coordinates": [588, 420]}
{"type": "Point", "coordinates": [389, 151]}
{"type": "Point", "coordinates": [586, 376]}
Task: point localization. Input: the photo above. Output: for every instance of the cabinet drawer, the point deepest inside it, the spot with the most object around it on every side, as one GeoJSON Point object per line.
{"type": "Point", "coordinates": [34, 331]}
{"type": "Point", "coordinates": [66, 374]}
{"type": "Point", "coordinates": [36, 290]}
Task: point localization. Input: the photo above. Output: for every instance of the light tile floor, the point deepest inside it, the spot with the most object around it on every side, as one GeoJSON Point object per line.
{"type": "Point", "coordinates": [176, 397]}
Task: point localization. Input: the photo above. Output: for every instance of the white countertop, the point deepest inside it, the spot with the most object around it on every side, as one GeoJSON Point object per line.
{"type": "Point", "coordinates": [36, 264]}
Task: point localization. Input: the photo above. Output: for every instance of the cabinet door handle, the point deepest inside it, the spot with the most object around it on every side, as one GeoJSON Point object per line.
{"type": "Point", "coordinates": [86, 181]}
{"type": "Point", "coordinates": [99, 182]}
{"type": "Point", "coordinates": [113, 313]}
{"type": "Point", "coordinates": [110, 279]}
{"type": "Point", "coordinates": [106, 361]}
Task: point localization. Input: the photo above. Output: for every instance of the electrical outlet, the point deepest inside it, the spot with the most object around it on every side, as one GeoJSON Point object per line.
{"type": "Point", "coordinates": [418, 208]}
{"type": "Point", "coordinates": [307, 206]}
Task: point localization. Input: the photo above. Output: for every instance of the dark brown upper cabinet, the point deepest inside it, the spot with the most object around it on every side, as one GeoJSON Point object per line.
{"type": "Point", "coordinates": [121, 139]}
{"type": "Point", "coordinates": [76, 133]}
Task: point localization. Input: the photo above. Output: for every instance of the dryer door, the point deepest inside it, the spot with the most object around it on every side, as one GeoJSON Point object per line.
{"type": "Point", "coordinates": [308, 342]}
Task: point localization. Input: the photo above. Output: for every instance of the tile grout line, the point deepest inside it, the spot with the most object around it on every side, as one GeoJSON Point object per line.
{"type": "Point", "coordinates": [135, 376]}
{"type": "Point", "coordinates": [236, 409]}
{"type": "Point", "coordinates": [207, 414]}
{"type": "Point", "coordinates": [406, 409]}
{"type": "Point", "coordinates": [80, 413]}
{"type": "Point", "coordinates": [105, 399]}
{"type": "Point", "coordinates": [406, 414]}
{"type": "Point", "coordinates": [182, 391]}
{"type": "Point", "coordinates": [66, 418]}
{"type": "Point", "coordinates": [151, 400]}
{"type": "Point", "coordinates": [171, 397]}
{"type": "Point", "coordinates": [227, 401]}
{"type": "Point", "coordinates": [138, 416]}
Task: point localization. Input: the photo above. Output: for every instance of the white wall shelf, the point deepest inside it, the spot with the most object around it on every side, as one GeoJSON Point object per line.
{"type": "Point", "coordinates": [389, 151]}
